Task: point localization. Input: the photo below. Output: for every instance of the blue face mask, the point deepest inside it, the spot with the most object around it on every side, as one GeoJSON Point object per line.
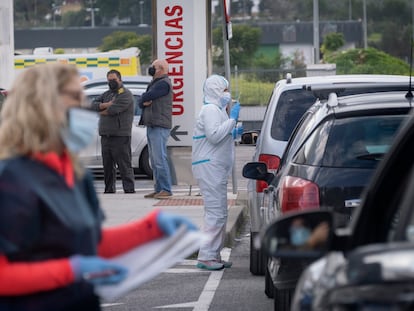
{"type": "Point", "coordinates": [225, 99]}
{"type": "Point", "coordinates": [299, 235]}
{"type": "Point", "coordinates": [81, 129]}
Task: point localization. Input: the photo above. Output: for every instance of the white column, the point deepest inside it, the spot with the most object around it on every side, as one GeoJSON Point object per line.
{"type": "Point", "coordinates": [6, 43]}
{"type": "Point", "coordinates": [181, 30]}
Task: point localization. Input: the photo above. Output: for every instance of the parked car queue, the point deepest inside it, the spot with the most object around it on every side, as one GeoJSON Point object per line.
{"type": "Point", "coordinates": [289, 101]}
{"type": "Point", "coordinates": [369, 264]}
{"type": "Point", "coordinates": [328, 161]}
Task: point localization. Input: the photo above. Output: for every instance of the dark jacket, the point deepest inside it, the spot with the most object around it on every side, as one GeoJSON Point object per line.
{"type": "Point", "coordinates": [42, 218]}
{"type": "Point", "coordinates": [159, 113]}
{"type": "Point", "coordinates": [120, 116]}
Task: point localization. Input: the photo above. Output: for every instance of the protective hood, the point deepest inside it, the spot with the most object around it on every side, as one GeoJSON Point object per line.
{"type": "Point", "coordinates": [214, 88]}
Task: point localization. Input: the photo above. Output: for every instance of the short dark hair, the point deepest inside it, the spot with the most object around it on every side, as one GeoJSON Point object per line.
{"type": "Point", "coordinates": [113, 71]}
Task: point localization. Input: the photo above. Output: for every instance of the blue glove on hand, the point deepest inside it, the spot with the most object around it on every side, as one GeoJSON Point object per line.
{"type": "Point", "coordinates": [234, 113]}
{"type": "Point", "coordinates": [169, 223]}
{"type": "Point", "coordinates": [237, 131]}
{"type": "Point", "coordinates": [96, 270]}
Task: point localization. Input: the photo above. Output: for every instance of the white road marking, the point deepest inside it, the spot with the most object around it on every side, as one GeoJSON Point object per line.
{"type": "Point", "coordinates": [204, 301]}
{"type": "Point", "coordinates": [179, 270]}
{"type": "Point", "coordinates": [103, 305]}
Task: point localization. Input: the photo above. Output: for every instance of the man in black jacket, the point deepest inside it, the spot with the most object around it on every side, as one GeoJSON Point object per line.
{"type": "Point", "coordinates": [116, 109]}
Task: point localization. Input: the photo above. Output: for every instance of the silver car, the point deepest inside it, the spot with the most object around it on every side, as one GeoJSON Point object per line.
{"type": "Point", "coordinates": [91, 157]}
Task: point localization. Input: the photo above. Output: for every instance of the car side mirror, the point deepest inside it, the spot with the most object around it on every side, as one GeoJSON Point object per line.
{"type": "Point", "coordinates": [249, 138]}
{"type": "Point", "coordinates": [257, 171]}
{"type": "Point", "coordinates": [299, 235]}
{"type": "Point", "coordinates": [381, 263]}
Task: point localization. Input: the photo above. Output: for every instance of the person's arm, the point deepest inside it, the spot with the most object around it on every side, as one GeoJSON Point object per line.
{"type": "Point", "coordinates": [22, 278]}
{"type": "Point", "coordinates": [98, 103]}
{"type": "Point", "coordinates": [216, 130]}
{"type": "Point", "coordinates": [119, 239]}
{"type": "Point", "coordinates": [120, 103]}
{"type": "Point", "coordinates": [160, 89]}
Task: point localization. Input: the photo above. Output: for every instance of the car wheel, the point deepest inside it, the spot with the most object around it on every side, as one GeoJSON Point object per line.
{"type": "Point", "coordinates": [258, 262]}
{"type": "Point", "coordinates": [269, 287]}
{"type": "Point", "coordinates": [282, 299]}
{"type": "Point", "coordinates": [144, 162]}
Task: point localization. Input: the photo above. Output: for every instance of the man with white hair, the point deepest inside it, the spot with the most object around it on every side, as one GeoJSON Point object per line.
{"type": "Point", "coordinates": [212, 161]}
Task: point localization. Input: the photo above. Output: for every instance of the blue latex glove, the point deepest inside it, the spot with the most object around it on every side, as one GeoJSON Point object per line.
{"type": "Point", "coordinates": [237, 131]}
{"type": "Point", "coordinates": [234, 113]}
{"type": "Point", "coordinates": [97, 270]}
{"type": "Point", "coordinates": [169, 223]}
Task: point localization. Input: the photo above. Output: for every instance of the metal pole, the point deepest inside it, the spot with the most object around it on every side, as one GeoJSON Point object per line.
{"type": "Point", "coordinates": [93, 16]}
{"type": "Point", "coordinates": [141, 4]}
{"type": "Point", "coordinates": [53, 13]}
{"type": "Point", "coordinates": [364, 8]}
{"type": "Point", "coordinates": [227, 74]}
{"type": "Point", "coordinates": [412, 21]}
{"type": "Point", "coordinates": [316, 30]}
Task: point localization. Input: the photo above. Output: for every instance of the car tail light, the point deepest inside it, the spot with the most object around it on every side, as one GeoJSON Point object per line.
{"type": "Point", "coordinates": [272, 163]}
{"type": "Point", "coordinates": [298, 194]}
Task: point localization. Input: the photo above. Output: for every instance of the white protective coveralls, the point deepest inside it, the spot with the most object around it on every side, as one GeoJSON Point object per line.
{"type": "Point", "coordinates": [212, 161]}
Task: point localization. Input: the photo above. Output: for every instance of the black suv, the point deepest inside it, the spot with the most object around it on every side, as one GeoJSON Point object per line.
{"type": "Point", "coordinates": [328, 161]}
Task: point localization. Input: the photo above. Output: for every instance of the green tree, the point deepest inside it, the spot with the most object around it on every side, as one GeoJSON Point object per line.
{"type": "Point", "coordinates": [72, 18]}
{"type": "Point", "coordinates": [144, 43]}
{"type": "Point", "coordinates": [130, 9]}
{"type": "Point", "coordinates": [31, 13]}
{"type": "Point", "coordinates": [242, 46]}
{"type": "Point", "coordinates": [127, 39]}
{"type": "Point", "coordinates": [266, 65]}
{"type": "Point", "coordinates": [367, 61]}
{"type": "Point", "coordinates": [117, 40]}
{"type": "Point", "coordinates": [332, 42]}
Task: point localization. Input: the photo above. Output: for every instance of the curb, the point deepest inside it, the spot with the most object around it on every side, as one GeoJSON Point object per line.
{"type": "Point", "coordinates": [236, 219]}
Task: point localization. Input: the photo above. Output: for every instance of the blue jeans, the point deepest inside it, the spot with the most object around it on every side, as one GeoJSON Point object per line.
{"type": "Point", "coordinates": [157, 146]}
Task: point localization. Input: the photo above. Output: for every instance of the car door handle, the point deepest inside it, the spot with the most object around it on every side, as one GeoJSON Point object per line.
{"type": "Point", "coordinates": [352, 203]}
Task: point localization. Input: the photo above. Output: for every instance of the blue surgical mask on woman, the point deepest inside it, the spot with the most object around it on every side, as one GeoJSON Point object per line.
{"type": "Point", "coordinates": [299, 235]}
{"type": "Point", "coordinates": [225, 99]}
{"type": "Point", "coordinates": [80, 130]}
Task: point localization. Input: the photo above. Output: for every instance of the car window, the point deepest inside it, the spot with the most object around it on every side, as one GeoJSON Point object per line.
{"type": "Point", "coordinates": [361, 142]}
{"type": "Point", "coordinates": [290, 108]}
{"type": "Point", "coordinates": [301, 130]}
{"type": "Point", "coordinates": [312, 151]}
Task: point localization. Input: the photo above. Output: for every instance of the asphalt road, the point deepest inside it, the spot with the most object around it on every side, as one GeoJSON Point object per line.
{"type": "Point", "coordinates": [185, 287]}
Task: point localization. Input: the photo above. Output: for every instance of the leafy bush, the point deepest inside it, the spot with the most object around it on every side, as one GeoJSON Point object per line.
{"type": "Point", "coordinates": [367, 61]}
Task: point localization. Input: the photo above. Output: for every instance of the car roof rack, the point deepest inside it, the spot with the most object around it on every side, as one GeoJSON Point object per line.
{"type": "Point", "coordinates": [332, 100]}
{"type": "Point", "coordinates": [322, 91]}
{"type": "Point", "coordinates": [288, 78]}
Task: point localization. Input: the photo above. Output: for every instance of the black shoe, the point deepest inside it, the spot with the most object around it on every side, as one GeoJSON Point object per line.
{"type": "Point", "coordinates": [109, 191]}
{"type": "Point", "coordinates": [129, 191]}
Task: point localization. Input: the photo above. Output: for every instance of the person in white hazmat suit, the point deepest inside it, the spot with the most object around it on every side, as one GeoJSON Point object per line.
{"type": "Point", "coordinates": [212, 162]}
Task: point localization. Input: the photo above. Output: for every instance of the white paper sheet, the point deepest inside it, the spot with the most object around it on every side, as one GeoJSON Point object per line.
{"type": "Point", "coordinates": [147, 261]}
